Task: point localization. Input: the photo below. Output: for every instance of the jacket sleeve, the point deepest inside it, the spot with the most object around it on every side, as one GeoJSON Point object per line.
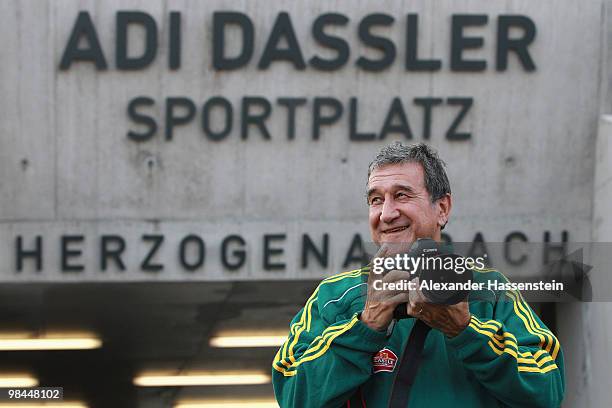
{"type": "Point", "coordinates": [323, 362]}
{"type": "Point", "coordinates": [513, 354]}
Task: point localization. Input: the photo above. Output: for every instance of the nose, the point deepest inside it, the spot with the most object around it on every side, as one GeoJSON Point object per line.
{"type": "Point", "coordinates": [389, 211]}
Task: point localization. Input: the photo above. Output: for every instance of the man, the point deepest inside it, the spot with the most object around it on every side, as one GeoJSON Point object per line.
{"type": "Point", "coordinates": [344, 348]}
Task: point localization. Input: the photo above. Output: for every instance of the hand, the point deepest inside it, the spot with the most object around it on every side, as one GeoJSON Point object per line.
{"type": "Point", "coordinates": [449, 319]}
{"type": "Point", "coordinates": [380, 304]}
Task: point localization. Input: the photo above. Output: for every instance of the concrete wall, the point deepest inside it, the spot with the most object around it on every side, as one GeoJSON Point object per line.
{"type": "Point", "coordinates": [68, 166]}
{"type": "Point", "coordinates": [592, 353]}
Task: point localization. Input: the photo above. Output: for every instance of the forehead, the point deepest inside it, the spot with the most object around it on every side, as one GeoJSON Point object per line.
{"type": "Point", "coordinates": [410, 174]}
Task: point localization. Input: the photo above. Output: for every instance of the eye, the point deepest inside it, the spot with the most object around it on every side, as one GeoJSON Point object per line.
{"type": "Point", "coordinates": [375, 200]}
{"type": "Point", "coordinates": [401, 194]}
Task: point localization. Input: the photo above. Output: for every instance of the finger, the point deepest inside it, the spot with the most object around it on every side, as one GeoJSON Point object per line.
{"type": "Point", "coordinates": [396, 276]}
{"type": "Point", "coordinates": [415, 309]}
{"type": "Point", "coordinates": [383, 251]}
{"type": "Point", "coordinates": [388, 277]}
{"type": "Point", "coordinates": [382, 288]}
{"type": "Point", "coordinates": [416, 296]}
{"type": "Point", "coordinates": [390, 284]}
{"type": "Point", "coordinates": [417, 301]}
{"type": "Point", "coordinates": [398, 299]}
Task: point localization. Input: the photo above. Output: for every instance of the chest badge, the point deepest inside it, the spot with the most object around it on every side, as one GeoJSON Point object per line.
{"type": "Point", "coordinates": [384, 360]}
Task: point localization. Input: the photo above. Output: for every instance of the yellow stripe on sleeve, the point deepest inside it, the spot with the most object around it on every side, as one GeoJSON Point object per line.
{"type": "Point", "coordinates": [286, 356]}
{"type": "Point", "coordinates": [510, 346]}
{"type": "Point", "coordinates": [317, 352]}
{"type": "Point", "coordinates": [531, 323]}
{"type": "Point", "coordinates": [519, 313]}
{"type": "Point", "coordinates": [551, 337]}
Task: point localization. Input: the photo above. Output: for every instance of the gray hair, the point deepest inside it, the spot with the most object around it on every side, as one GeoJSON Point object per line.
{"type": "Point", "coordinates": [436, 181]}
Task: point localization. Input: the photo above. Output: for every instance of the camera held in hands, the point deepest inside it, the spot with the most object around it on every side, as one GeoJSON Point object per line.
{"type": "Point", "coordinates": [441, 273]}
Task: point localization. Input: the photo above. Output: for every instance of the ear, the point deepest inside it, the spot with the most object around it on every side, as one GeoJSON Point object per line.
{"type": "Point", "coordinates": [444, 205]}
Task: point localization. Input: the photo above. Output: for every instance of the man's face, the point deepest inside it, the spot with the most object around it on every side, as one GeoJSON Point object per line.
{"type": "Point", "coordinates": [400, 208]}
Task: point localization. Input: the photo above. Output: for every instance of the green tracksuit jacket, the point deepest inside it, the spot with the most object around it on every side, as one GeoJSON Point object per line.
{"type": "Point", "coordinates": [506, 357]}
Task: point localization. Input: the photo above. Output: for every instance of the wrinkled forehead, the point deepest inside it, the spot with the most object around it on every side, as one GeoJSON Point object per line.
{"type": "Point", "coordinates": [392, 174]}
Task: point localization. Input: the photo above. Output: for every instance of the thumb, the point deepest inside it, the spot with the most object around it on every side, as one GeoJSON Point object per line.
{"type": "Point", "coordinates": [383, 250]}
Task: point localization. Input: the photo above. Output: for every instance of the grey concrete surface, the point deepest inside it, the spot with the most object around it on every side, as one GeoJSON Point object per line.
{"type": "Point", "coordinates": [70, 125]}
{"type": "Point", "coordinates": [592, 381]}
{"type": "Point", "coordinates": [538, 159]}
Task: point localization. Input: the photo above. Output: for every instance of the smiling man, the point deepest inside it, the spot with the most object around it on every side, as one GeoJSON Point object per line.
{"type": "Point", "coordinates": [345, 347]}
